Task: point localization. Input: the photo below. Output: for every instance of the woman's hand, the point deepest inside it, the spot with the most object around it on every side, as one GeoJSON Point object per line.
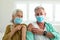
{"type": "Point", "coordinates": [18, 27]}
{"type": "Point", "coordinates": [37, 31]}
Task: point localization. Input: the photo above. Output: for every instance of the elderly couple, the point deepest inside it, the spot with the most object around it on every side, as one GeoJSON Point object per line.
{"type": "Point", "coordinates": [39, 30]}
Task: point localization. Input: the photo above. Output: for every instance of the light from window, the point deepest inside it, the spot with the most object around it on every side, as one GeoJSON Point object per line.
{"type": "Point", "coordinates": [32, 6]}
{"type": "Point", "coordinates": [57, 12]}
{"type": "Point", "coordinates": [49, 11]}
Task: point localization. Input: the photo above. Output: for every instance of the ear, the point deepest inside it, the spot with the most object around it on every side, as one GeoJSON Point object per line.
{"type": "Point", "coordinates": [35, 14]}
{"type": "Point", "coordinates": [45, 14]}
{"type": "Point", "coordinates": [13, 16]}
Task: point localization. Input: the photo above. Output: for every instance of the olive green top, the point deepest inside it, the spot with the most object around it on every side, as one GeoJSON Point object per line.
{"type": "Point", "coordinates": [16, 36]}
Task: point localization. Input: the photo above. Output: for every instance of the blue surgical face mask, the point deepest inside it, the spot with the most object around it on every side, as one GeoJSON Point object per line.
{"type": "Point", "coordinates": [40, 18]}
{"type": "Point", "coordinates": [18, 20]}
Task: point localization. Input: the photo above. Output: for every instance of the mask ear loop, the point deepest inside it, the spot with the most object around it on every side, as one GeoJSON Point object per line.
{"type": "Point", "coordinates": [45, 17]}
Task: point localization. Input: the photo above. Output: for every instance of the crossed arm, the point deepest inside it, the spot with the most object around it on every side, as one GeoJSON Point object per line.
{"type": "Point", "coordinates": [39, 31]}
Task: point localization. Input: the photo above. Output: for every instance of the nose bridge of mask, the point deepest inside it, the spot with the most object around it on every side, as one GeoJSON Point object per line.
{"type": "Point", "coordinates": [17, 20]}
{"type": "Point", "coordinates": [40, 18]}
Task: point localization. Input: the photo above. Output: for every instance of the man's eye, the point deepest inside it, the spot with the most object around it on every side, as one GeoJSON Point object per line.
{"type": "Point", "coordinates": [21, 16]}
{"type": "Point", "coordinates": [41, 13]}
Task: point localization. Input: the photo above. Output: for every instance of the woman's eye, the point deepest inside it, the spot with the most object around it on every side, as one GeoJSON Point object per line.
{"type": "Point", "coordinates": [37, 14]}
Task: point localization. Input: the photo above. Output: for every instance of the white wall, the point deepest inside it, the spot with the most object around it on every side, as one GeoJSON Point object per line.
{"type": "Point", "coordinates": [5, 11]}
{"type": "Point", "coordinates": [6, 8]}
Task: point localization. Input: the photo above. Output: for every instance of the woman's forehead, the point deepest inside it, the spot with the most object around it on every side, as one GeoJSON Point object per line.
{"type": "Point", "coordinates": [19, 13]}
{"type": "Point", "coordinates": [40, 10]}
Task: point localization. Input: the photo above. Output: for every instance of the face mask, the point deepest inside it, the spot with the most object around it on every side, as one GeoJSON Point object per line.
{"type": "Point", "coordinates": [40, 18]}
{"type": "Point", "coordinates": [17, 20]}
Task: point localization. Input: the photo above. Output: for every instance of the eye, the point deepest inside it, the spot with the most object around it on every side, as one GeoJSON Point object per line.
{"type": "Point", "coordinates": [41, 13]}
{"type": "Point", "coordinates": [21, 16]}
{"type": "Point", "coordinates": [37, 14]}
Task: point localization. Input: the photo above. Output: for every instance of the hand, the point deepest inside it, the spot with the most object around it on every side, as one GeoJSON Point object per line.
{"type": "Point", "coordinates": [18, 27]}
{"type": "Point", "coordinates": [30, 26]}
{"type": "Point", "coordinates": [37, 31]}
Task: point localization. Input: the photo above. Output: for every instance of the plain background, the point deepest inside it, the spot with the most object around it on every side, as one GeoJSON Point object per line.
{"type": "Point", "coordinates": [7, 7]}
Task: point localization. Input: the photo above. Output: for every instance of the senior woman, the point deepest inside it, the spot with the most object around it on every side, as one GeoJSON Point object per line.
{"type": "Point", "coordinates": [41, 30]}
{"type": "Point", "coordinates": [16, 31]}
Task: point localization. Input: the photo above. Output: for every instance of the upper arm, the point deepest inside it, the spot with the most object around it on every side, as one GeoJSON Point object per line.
{"type": "Point", "coordinates": [5, 37]}
{"type": "Point", "coordinates": [30, 26]}
{"type": "Point", "coordinates": [7, 29]}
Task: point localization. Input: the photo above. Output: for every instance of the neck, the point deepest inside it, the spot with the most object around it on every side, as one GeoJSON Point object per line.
{"type": "Point", "coordinates": [41, 25]}
{"type": "Point", "coordinates": [15, 24]}
{"type": "Point", "coordinates": [40, 22]}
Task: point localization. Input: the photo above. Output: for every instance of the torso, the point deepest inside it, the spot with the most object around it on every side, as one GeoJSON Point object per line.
{"type": "Point", "coordinates": [39, 37]}
{"type": "Point", "coordinates": [41, 25]}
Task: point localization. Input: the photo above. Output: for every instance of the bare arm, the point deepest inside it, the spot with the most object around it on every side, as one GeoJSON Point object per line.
{"type": "Point", "coordinates": [23, 32]}
{"type": "Point", "coordinates": [30, 26]}
{"type": "Point", "coordinates": [41, 32]}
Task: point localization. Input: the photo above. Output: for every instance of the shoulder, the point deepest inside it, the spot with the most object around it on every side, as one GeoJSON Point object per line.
{"type": "Point", "coordinates": [7, 30]}
{"type": "Point", "coordinates": [48, 23]}
{"type": "Point", "coordinates": [8, 27]}
{"type": "Point", "coordinates": [24, 25]}
{"type": "Point", "coordinates": [32, 23]}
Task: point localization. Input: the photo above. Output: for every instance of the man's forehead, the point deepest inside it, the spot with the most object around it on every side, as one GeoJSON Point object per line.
{"type": "Point", "coordinates": [39, 7]}
{"type": "Point", "coordinates": [39, 10]}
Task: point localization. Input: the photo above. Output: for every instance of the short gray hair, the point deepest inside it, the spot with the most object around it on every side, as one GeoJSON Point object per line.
{"type": "Point", "coordinates": [14, 13]}
{"type": "Point", "coordinates": [17, 10]}
{"type": "Point", "coordinates": [39, 7]}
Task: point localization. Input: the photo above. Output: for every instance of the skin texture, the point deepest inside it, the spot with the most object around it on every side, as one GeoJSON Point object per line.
{"type": "Point", "coordinates": [41, 25]}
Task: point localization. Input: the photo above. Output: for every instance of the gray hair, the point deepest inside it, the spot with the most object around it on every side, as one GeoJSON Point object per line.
{"type": "Point", "coordinates": [17, 10]}
{"type": "Point", "coordinates": [39, 7]}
